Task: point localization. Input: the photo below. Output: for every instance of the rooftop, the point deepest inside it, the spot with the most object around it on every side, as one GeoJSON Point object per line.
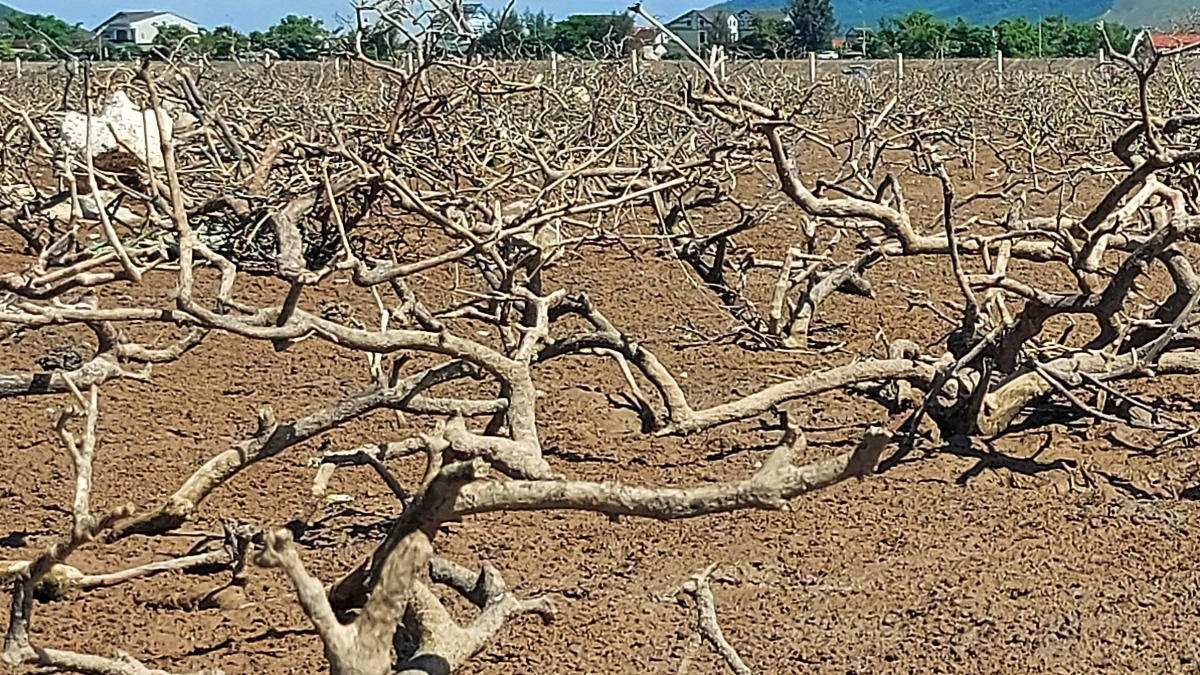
{"type": "Point", "coordinates": [1174, 40]}
{"type": "Point", "coordinates": [133, 17]}
{"type": "Point", "coordinates": [777, 14]}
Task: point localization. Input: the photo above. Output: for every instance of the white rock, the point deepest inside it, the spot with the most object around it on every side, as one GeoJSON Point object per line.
{"type": "Point", "coordinates": [120, 127]}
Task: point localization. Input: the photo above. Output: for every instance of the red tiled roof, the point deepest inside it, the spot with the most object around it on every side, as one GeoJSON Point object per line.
{"type": "Point", "coordinates": [1174, 41]}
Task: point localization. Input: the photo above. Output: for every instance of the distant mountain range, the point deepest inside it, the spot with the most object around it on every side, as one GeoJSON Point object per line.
{"type": "Point", "coordinates": [1133, 13]}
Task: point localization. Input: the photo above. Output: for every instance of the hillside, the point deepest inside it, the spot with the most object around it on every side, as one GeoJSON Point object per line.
{"type": "Point", "coordinates": [869, 12]}
{"type": "Point", "coordinates": [1161, 14]}
{"type": "Point", "coordinates": [6, 12]}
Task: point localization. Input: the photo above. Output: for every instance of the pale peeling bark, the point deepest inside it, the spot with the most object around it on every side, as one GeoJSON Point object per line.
{"type": "Point", "coordinates": [99, 370]}
{"type": "Point", "coordinates": [444, 646]}
{"type": "Point", "coordinates": [398, 594]}
{"type": "Point", "coordinates": [518, 459]}
{"type": "Point", "coordinates": [689, 422]}
{"type": "Point", "coordinates": [122, 664]}
{"type": "Point", "coordinates": [778, 481]}
{"type": "Point", "coordinates": [63, 581]}
{"type": "Point", "coordinates": [709, 627]}
{"type": "Point", "coordinates": [1003, 405]}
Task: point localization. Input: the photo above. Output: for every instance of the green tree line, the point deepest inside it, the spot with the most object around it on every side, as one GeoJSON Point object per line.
{"type": "Point", "coordinates": [298, 38]}
{"type": "Point", "coordinates": [41, 36]}
{"type": "Point", "coordinates": [294, 38]}
{"type": "Point", "coordinates": [530, 35]}
{"type": "Point", "coordinates": [810, 26]}
{"type": "Point", "coordinates": [921, 35]}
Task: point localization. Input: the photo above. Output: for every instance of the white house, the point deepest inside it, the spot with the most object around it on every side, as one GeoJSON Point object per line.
{"type": "Point", "coordinates": [701, 28]}
{"type": "Point", "coordinates": [140, 28]}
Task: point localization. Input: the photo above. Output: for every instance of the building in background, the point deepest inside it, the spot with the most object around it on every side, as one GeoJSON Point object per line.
{"type": "Point", "coordinates": [1168, 41]}
{"type": "Point", "coordinates": [140, 28]}
{"type": "Point", "coordinates": [702, 28]}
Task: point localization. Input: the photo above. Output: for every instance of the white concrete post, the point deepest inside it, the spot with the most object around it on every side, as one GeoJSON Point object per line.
{"type": "Point", "coordinates": [812, 66]}
{"type": "Point", "coordinates": [899, 66]}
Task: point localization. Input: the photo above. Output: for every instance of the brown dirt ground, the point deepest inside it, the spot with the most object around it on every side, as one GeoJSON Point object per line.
{"type": "Point", "coordinates": [990, 559]}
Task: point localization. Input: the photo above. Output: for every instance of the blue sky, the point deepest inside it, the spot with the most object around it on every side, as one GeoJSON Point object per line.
{"type": "Point", "coordinates": [248, 15]}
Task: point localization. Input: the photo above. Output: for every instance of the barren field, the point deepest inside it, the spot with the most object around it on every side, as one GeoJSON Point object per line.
{"type": "Point", "coordinates": [1063, 543]}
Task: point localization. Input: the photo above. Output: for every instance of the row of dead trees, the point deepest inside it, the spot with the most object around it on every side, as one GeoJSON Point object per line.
{"type": "Point", "coordinates": [494, 181]}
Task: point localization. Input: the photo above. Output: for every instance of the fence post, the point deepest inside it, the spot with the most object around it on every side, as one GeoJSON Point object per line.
{"type": "Point", "coordinates": [633, 61]}
{"type": "Point", "coordinates": [899, 66]}
{"type": "Point", "coordinates": [721, 56]}
{"type": "Point", "coordinates": [1000, 61]}
{"type": "Point", "coordinates": [18, 67]}
{"type": "Point", "coordinates": [812, 67]}
{"type": "Point", "coordinates": [554, 69]}
{"type": "Point", "coordinates": [1100, 55]}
